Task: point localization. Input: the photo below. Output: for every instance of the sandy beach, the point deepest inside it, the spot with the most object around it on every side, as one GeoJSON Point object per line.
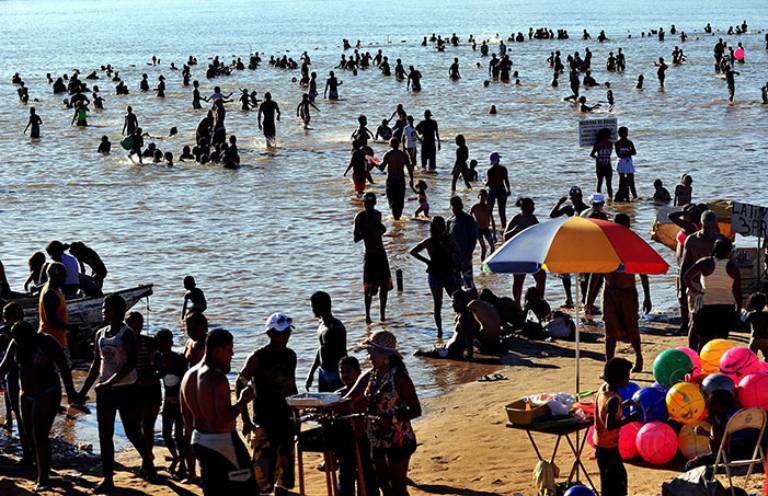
{"type": "Point", "coordinates": [465, 447]}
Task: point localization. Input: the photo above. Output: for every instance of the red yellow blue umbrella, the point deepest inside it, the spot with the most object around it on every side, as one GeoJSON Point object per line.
{"type": "Point", "coordinates": [576, 244]}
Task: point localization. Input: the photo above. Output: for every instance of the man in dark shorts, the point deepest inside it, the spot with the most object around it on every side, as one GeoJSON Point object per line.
{"type": "Point", "coordinates": [333, 345]}
{"type": "Point", "coordinates": [714, 289]}
{"type": "Point", "coordinates": [696, 246]}
{"type": "Point", "coordinates": [225, 467]}
{"type": "Point", "coordinates": [271, 370]}
{"type": "Point", "coordinates": [498, 186]}
{"type": "Point", "coordinates": [621, 309]}
{"type": "Point", "coordinates": [430, 135]}
{"type": "Point", "coordinates": [268, 109]}
{"type": "Point", "coordinates": [396, 163]}
{"type": "Point", "coordinates": [463, 228]}
{"type": "Point", "coordinates": [377, 277]}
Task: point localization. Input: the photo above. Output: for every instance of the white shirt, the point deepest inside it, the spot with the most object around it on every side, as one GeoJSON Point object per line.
{"type": "Point", "coordinates": [410, 136]}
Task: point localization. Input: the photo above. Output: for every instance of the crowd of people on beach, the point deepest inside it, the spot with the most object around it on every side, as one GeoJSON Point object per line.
{"type": "Point", "coordinates": [141, 376]}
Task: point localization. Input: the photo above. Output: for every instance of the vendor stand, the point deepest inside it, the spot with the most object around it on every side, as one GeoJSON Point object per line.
{"type": "Point", "coordinates": [577, 447]}
{"type": "Point", "coordinates": [327, 410]}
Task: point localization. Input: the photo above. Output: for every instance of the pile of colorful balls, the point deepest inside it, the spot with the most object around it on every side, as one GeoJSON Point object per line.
{"type": "Point", "coordinates": [671, 408]}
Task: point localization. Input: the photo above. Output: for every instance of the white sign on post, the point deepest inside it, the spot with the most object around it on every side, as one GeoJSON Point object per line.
{"type": "Point", "coordinates": [749, 220]}
{"type": "Point", "coordinates": [588, 129]}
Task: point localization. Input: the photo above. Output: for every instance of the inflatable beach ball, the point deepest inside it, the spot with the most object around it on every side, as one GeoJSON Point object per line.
{"type": "Point", "coordinates": [579, 491]}
{"type": "Point", "coordinates": [712, 353]}
{"type": "Point", "coordinates": [753, 390]}
{"type": "Point", "coordinates": [717, 382]}
{"type": "Point", "coordinates": [695, 359]}
{"type": "Point", "coordinates": [656, 443]}
{"type": "Point", "coordinates": [658, 386]}
{"type": "Point", "coordinates": [627, 438]}
{"type": "Point", "coordinates": [738, 362]}
{"type": "Point", "coordinates": [692, 444]}
{"type": "Point", "coordinates": [685, 403]}
{"type": "Point", "coordinates": [651, 403]}
{"type": "Point", "coordinates": [671, 367]}
{"type": "Point", "coordinates": [738, 54]}
{"type": "Point", "coordinates": [626, 393]}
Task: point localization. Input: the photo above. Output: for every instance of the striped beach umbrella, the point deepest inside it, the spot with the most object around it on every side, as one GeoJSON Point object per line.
{"type": "Point", "coordinates": [578, 245]}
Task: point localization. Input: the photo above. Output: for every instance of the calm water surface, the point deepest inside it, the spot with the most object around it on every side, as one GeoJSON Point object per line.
{"type": "Point", "coordinates": [263, 238]}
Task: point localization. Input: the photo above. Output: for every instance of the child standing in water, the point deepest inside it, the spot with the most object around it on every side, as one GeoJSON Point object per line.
{"type": "Point", "coordinates": [383, 131]}
{"type": "Point", "coordinates": [608, 422]}
{"type": "Point", "coordinates": [421, 191]}
{"type": "Point", "coordinates": [661, 194]}
{"type": "Point", "coordinates": [303, 109]}
{"type": "Point", "coordinates": [486, 225]}
{"type": "Point", "coordinates": [194, 298]}
{"type": "Point", "coordinates": [684, 191]}
{"type": "Point", "coordinates": [104, 146]}
{"type": "Point", "coordinates": [625, 166]}
{"type": "Point", "coordinates": [460, 166]}
{"type": "Point", "coordinates": [34, 124]}
{"type": "Point", "coordinates": [661, 71]}
{"type": "Point", "coordinates": [362, 134]}
{"type": "Point", "coordinates": [81, 115]}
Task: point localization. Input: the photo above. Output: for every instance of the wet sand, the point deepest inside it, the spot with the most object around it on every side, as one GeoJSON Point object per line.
{"type": "Point", "coordinates": [464, 446]}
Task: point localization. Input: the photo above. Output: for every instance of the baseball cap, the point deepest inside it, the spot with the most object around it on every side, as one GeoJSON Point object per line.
{"type": "Point", "coordinates": [495, 157]}
{"type": "Point", "coordinates": [279, 322]}
{"type": "Point", "coordinates": [597, 198]}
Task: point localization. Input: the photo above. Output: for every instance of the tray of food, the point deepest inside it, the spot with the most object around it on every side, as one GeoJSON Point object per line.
{"type": "Point", "coordinates": [314, 400]}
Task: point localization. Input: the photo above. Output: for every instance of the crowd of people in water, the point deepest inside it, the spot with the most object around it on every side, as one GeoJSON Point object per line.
{"type": "Point", "coordinates": [141, 375]}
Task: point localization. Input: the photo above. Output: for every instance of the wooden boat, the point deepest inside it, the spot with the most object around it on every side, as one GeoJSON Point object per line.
{"type": "Point", "coordinates": [85, 313]}
{"type": "Point", "coordinates": [665, 232]}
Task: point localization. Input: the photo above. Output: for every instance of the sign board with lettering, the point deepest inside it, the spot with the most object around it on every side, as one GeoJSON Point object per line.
{"type": "Point", "coordinates": [588, 129]}
{"type": "Point", "coordinates": [749, 220]}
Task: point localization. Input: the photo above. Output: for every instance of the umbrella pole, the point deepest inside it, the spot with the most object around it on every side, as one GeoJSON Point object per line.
{"type": "Point", "coordinates": [578, 322]}
{"type": "Point", "coordinates": [577, 353]}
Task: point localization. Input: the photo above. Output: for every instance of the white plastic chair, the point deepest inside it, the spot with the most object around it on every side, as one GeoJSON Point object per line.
{"type": "Point", "coordinates": [747, 418]}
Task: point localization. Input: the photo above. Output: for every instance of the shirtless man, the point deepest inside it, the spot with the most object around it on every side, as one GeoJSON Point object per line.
{"type": "Point", "coordinates": [486, 224]}
{"type": "Point", "coordinates": [489, 320]}
{"type": "Point", "coordinates": [130, 123]}
{"type": "Point", "coordinates": [210, 416]}
{"type": "Point", "coordinates": [397, 162]}
{"type": "Point", "coordinates": [498, 186]}
{"type": "Point", "coordinates": [620, 308]}
{"type": "Point", "coordinates": [197, 330]}
{"type": "Point", "coordinates": [268, 109]}
{"type": "Point", "coordinates": [697, 245]}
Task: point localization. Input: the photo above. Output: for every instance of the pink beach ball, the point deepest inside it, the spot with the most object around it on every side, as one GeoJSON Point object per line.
{"type": "Point", "coordinates": [627, 440]}
{"type": "Point", "coordinates": [753, 390]}
{"type": "Point", "coordinates": [656, 443]}
{"type": "Point", "coordinates": [694, 359]}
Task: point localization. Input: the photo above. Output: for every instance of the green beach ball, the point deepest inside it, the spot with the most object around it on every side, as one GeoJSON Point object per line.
{"type": "Point", "coordinates": [671, 366]}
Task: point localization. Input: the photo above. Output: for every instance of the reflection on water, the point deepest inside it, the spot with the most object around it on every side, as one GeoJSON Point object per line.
{"type": "Point", "coordinates": [263, 238]}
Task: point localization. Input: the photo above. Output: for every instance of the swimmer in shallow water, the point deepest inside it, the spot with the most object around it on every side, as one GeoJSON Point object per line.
{"type": "Point", "coordinates": [302, 110]}
{"type": "Point", "coordinates": [661, 71]}
{"type": "Point", "coordinates": [105, 147]}
{"type": "Point", "coordinates": [332, 84]}
{"type": "Point", "coordinates": [584, 108]}
{"type": "Point", "coordinates": [453, 71]}
{"type": "Point", "coordinates": [33, 124]}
